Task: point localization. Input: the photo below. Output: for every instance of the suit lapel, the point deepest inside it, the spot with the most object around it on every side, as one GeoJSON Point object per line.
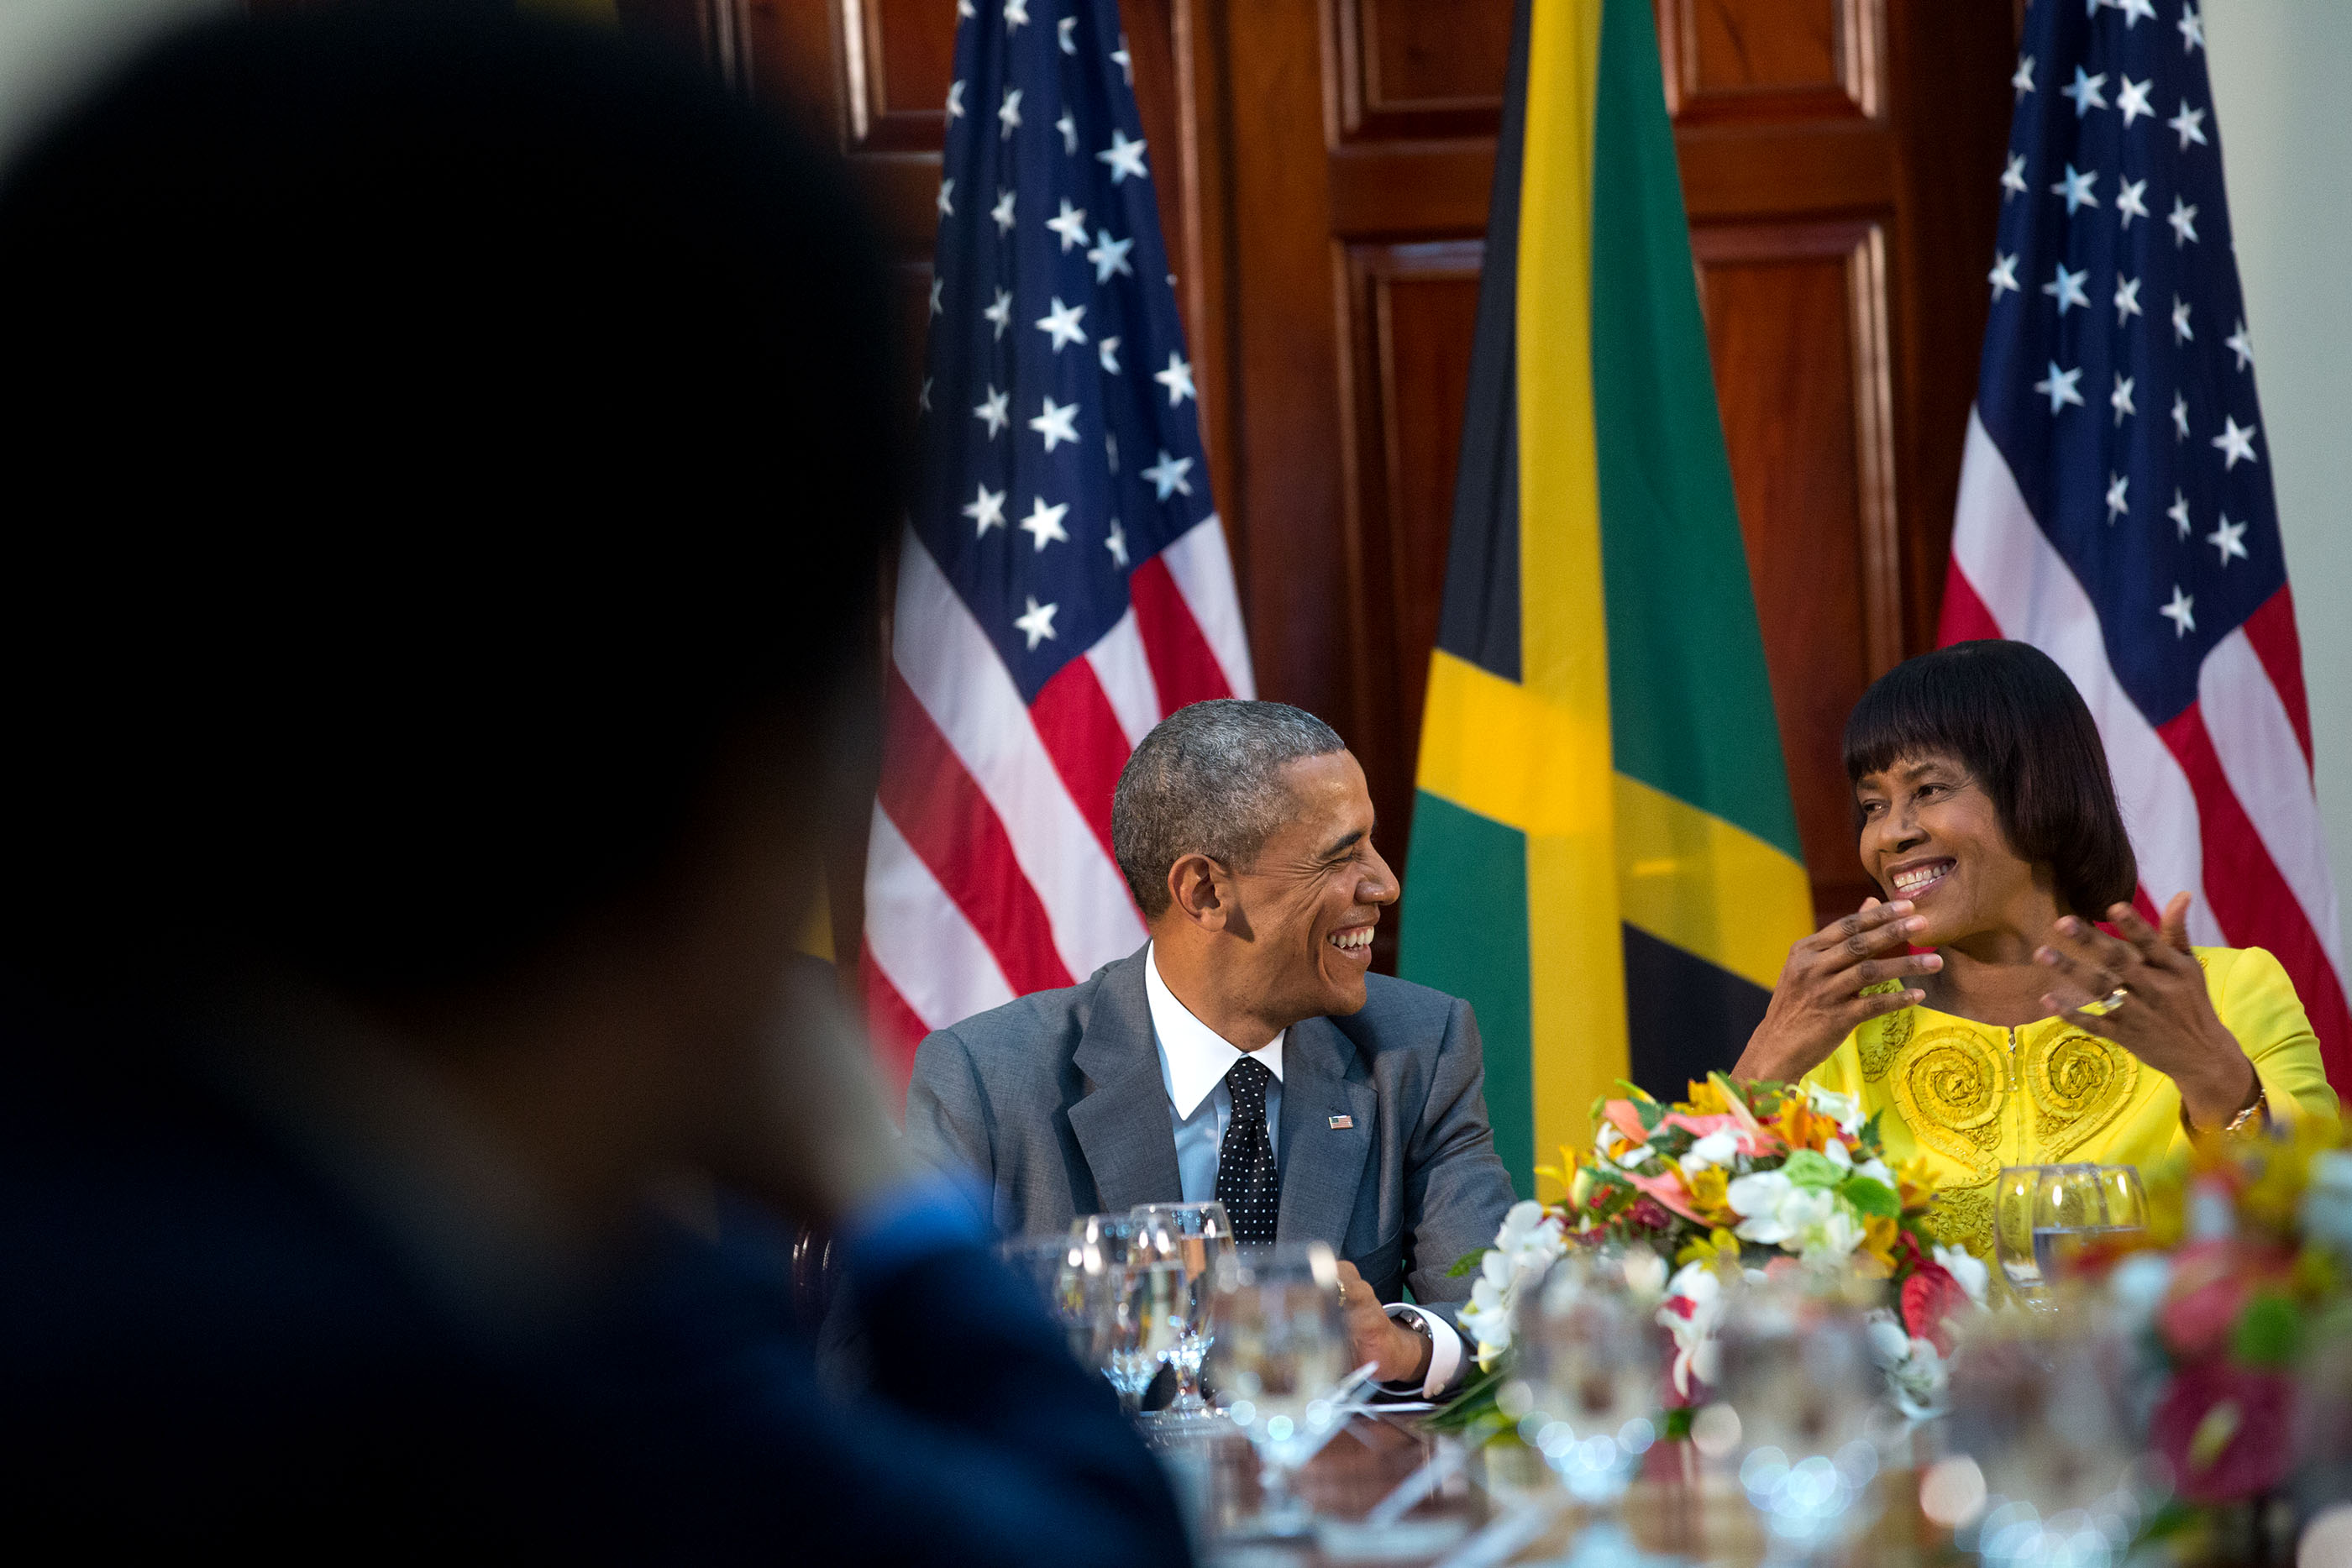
{"type": "Point", "coordinates": [1122, 1122]}
{"type": "Point", "coordinates": [1322, 1165]}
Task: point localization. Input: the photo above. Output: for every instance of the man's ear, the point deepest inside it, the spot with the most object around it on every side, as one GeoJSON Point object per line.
{"type": "Point", "coordinates": [1203, 891]}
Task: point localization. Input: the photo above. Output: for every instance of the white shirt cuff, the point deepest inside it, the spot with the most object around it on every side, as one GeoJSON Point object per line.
{"type": "Point", "coordinates": [1444, 1351]}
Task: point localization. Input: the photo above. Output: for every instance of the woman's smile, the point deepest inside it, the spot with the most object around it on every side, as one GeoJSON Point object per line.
{"type": "Point", "coordinates": [1913, 879]}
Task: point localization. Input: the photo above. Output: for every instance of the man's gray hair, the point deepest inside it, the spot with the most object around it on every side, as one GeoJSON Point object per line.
{"type": "Point", "coordinates": [1207, 780]}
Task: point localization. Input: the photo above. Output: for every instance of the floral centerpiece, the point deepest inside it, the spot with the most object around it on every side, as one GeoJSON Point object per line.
{"type": "Point", "coordinates": [1737, 1177]}
{"type": "Point", "coordinates": [2237, 1301]}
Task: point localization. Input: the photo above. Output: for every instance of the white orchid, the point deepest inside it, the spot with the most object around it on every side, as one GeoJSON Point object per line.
{"type": "Point", "coordinates": [1916, 1370]}
{"type": "Point", "coordinates": [1529, 1241]}
{"type": "Point", "coordinates": [1967, 1269]}
{"type": "Point", "coordinates": [1694, 1304]}
{"type": "Point", "coordinates": [1713, 1149]}
{"type": "Point", "coordinates": [1845, 1110]}
{"type": "Point", "coordinates": [1776, 1211]}
{"type": "Point", "coordinates": [1832, 1237]}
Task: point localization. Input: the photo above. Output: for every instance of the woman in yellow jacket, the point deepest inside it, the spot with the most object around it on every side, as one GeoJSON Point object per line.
{"type": "Point", "coordinates": [1978, 1010]}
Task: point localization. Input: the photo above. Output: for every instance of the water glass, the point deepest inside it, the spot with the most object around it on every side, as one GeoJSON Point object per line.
{"type": "Point", "coordinates": [2046, 1217]}
{"type": "Point", "coordinates": [1799, 1415]}
{"type": "Point", "coordinates": [1136, 1298]}
{"type": "Point", "coordinates": [1049, 1266]}
{"type": "Point", "coordinates": [1202, 1236]}
{"type": "Point", "coordinates": [1283, 1364]}
{"type": "Point", "coordinates": [1589, 1354]}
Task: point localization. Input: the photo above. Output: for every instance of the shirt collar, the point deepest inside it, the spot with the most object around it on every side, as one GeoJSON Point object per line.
{"type": "Point", "coordinates": [1193, 1058]}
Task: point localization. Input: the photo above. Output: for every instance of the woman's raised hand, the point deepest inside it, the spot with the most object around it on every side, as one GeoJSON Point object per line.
{"type": "Point", "coordinates": [1819, 1001]}
{"type": "Point", "coordinates": [2150, 997]}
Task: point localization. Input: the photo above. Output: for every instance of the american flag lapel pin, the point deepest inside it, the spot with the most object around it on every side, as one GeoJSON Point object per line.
{"type": "Point", "coordinates": [1339, 1122]}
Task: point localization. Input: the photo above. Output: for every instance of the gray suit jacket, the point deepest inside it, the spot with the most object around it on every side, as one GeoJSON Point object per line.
{"type": "Point", "coordinates": [1056, 1100]}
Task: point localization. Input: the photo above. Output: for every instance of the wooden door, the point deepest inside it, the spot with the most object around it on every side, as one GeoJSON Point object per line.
{"type": "Point", "coordinates": [1323, 170]}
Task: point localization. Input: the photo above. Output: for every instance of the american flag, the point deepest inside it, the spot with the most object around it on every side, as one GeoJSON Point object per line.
{"type": "Point", "coordinates": [1064, 583]}
{"type": "Point", "coordinates": [2116, 505]}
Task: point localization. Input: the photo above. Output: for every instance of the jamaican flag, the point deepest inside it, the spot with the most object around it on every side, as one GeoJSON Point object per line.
{"type": "Point", "coordinates": [1603, 857]}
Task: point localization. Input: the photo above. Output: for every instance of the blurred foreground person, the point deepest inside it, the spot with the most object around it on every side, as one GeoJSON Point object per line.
{"type": "Point", "coordinates": [443, 465]}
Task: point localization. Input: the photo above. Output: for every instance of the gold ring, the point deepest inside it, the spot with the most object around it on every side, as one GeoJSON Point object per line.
{"type": "Point", "coordinates": [2108, 1003]}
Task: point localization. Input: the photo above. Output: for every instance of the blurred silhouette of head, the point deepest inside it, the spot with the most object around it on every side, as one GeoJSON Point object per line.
{"type": "Point", "coordinates": [433, 441]}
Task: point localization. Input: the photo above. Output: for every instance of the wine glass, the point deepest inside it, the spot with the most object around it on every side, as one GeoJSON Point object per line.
{"type": "Point", "coordinates": [1282, 1362]}
{"type": "Point", "coordinates": [2012, 1231]}
{"type": "Point", "coordinates": [1203, 1235]}
{"type": "Point", "coordinates": [1050, 1267]}
{"type": "Point", "coordinates": [2070, 1213]}
{"type": "Point", "coordinates": [1589, 1356]}
{"type": "Point", "coordinates": [1800, 1414]}
{"type": "Point", "coordinates": [2127, 1198]}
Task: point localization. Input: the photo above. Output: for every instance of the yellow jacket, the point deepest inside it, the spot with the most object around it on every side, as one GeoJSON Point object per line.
{"type": "Point", "coordinates": [1969, 1097]}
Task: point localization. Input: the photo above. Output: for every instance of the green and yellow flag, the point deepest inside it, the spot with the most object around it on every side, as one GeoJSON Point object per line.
{"type": "Point", "coordinates": [1603, 859]}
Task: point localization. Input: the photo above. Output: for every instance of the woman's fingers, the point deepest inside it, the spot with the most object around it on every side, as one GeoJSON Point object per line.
{"type": "Point", "coordinates": [2155, 946]}
{"type": "Point", "coordinates": [1866, 933]}
{"type": "Point", "coordinates": [2175, 929]}
{"type": "Point", "coordinates": [1870, 971]}
{"type": "Point", "coordinates": [1862, 1009]}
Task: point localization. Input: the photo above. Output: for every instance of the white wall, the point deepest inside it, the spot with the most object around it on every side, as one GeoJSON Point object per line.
{"type": "Point", "coordinates": [2280, 70]}
{"type": "Point", "coordinates": [50, 48]}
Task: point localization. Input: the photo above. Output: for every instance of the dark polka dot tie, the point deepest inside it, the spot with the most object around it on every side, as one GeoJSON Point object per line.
{"type": "Point", "coordinates": [1248, 1185]}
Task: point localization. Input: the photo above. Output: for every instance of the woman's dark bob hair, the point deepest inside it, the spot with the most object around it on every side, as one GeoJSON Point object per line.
{"type": "Point", "coordinates": [2009, 713]}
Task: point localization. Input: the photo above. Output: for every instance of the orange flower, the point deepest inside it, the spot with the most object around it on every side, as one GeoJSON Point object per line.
{"type": "Point", "coordinates": [1875, 1256]}
{"type": "Point", "coordinates": [1796, 1123]}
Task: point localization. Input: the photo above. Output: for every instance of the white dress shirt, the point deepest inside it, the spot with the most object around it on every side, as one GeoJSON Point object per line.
{"type": "Point", "coordinates": [1193, 1061]}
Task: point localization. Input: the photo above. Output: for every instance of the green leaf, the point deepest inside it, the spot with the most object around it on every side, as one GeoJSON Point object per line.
{"type": "Point", "coordinates": [1678, 1422]}
{"type": "Point", "coordinates": [2269, 1331]}
{"type": "Point", "coordinates": [1812, 1168]}
{"type": "Point", "coordinates": [1868, 1195]}
{"type": "Point", "coordinates": [1468, 1263]}
{"type": "Point", "coordinates": [1869, 1134]}
{"type": "Point", "coordinates": [1651, 1113]}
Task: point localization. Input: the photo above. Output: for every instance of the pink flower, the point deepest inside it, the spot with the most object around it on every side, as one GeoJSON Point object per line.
{"type": "Point", "coordinates": [1930, 1296]}
{"type": "Point", "coordinates": [2210, 1282]}
{"type": "Point", "coordinates": [1667, 1190]}
{"type": "Point", "coordinates": [2223, 1428]}
{"type": "Point", "coordinates": [1621, 1115]}
{"type": "Point", "coordinates": [1752, 1139]}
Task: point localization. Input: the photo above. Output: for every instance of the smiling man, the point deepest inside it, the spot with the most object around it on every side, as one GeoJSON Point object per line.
{"type": "Point", "coordinates": [1247, 1053]}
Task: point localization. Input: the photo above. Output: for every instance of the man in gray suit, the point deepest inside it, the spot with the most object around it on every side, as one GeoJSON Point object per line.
{"type": "Point", "coordinates": [1246, 1054]}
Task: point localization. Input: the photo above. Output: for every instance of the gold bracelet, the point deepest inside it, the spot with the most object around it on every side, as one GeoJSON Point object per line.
{"type": "Point", "coordinates": [2259, 1113]}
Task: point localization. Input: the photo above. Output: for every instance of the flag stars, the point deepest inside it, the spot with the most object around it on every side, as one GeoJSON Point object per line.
{"type": "Point", "coordinates": [2230, 539]}
{"type": "Point", "coordinates": [2181, 331]}
{"type": "Point", "coordinates": [2179, 513]}
{"type": "Point", "coordinates": [2003, 275]}
{"type": "Point", "coordinates": [2120, 400]}
{"type": "Point", "coordinates": [955, 100]}
{"type": "Point", "coordinates": [1061, 324]}
{"type": "Point", "coordinates": [1044, 523]}
{"type": "Point", "coordinates": [1071, 225]}
{"type": "Point", "coordinates": [2235, 442]}
{"type": "Point", "coordinates": [938, 291]}
{"type": "Point", "coordinates": [1038, 624]}
{"type": "Point", "coordinates": [2022, 79]}
{"type": "Point", "coordinates": [1126, 62]}
{"type": "Point", "coordinates": [946, 197]}
{"type": "Point", "coordinates": [999, 314]}
{"type": "Point", "coordinates": [2181, 612]}
{"type": "Point", "coordinates": [2191, 27]}
{"type": "Point", "coordinates": [2131, 102]}
{"type": "Point", "coordinates": [923, 397]}
{"type": "Point", "coordinates": [1109, 256]}
{"type": "Point", "coordinates": [2180, 416]}
{"type": "Point", "coordinates": [1008, 113]}
{"type": "Point", "coordinates": [2076, 189]}
{"type": "Point", "coordinates": [1058, 423]}
{"type": "Point", "coordinates": [1106, 355]}
{"type": "Point", "coordinates": [1168, 475]}
{"type": "Point", "coordinates": [1062, 35]}
{"type": "Point", "coordinates": [2132, 11]}
{"type": "Point", "coordinates": [994, 410]}
{"type": "Point", "coordinates": [1068, 126]}
{"type": "Point", "coordinates": [2067, 287]}
{"type": "Point", "coordinates": [1016, 14]}
{"type": "Point", "coordinates": [2127, 297]}
{"type": "Point", "coordinates": [986, 510]}
{"type": "Point", "coordinates": [2239, 344]}
{"type": "Point", "coordinates": [1002, 211]}
{"type": "Point", "coordinates": [2059, 387]}
{"type": "Point", "coordinates": [1125, 157]}
{"type": "Point", "coordinates": [2012, 176]}
{"type": "Point", "coordinates": [2119, 484]}
{"type": "Point", "coordinates": [1117, 544]}
{"type": "Point", "coordinates": [1177, 378]}
{"type": "Point", "coordinates": [2190, 123]}
{"type": "Point", "coordinates": [2087, 92]}
{"type": "Point", "coordinates": [2131, 200]}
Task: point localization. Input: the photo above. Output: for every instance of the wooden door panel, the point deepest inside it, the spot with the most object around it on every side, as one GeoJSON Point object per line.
{"type": "Point", "coordinates": [902, 59]}
{"type": "Point", "coordinates": [1411, 311]}
{"type": "Point", "coordinates": [1770, 59]}
{"type": "Point", "coordinates": [1796, 325]}
{"type": "Point", "coordinates": [1421, 67]}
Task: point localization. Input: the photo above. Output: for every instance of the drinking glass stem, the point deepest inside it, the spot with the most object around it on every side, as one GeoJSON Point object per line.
{"type": "Point", "coordinates": [1184, 1359]}
{"type": "Point", "coordinates": [1282, 1509]}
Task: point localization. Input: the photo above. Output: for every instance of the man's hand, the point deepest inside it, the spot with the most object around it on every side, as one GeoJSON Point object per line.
{"type": "Point", "coordinates": [1400, 1355]}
